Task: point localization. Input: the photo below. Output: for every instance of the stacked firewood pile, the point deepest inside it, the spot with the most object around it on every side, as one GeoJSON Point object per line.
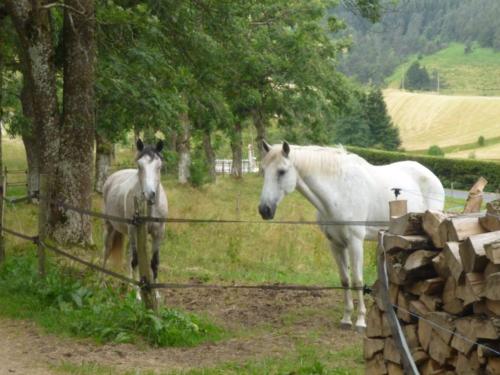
{"type": "Point", "coordinates": [444, 283]}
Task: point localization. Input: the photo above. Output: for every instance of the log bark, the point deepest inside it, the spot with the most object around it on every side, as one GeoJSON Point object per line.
{"type": "Point", "coordinates": [430, 224]}
{"type": "Point", "coordinates": [491, 222]}
{"type": "Point", "coordinates": [460, 228]}
{"type": "Point", "coordinates": [472, 251]}
{"type": "Point", "coordinates": [475, 198]}
{"type": "Point", "coordinates": [406, 225]}
{"type": "Point", "coordinates": [492, 289]}
{"type": "Point", "coordinates": [439, 350]}
{"type": "Point", "coordinates": [394, 242]}
{"type": "Point", "coordinates": [492, 250]}
{"type": "Point", "coordinates": [372, 347]}
{"type": "Point", "coordinates": [452, 257]}
{"type": "Point", "coordinates": [376, 365]}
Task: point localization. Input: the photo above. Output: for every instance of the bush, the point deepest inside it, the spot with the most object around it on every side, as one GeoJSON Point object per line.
{"type": "Point", "coordinates": [435, 151]}
{"type": "Point", "coordinates": [463, 173]}
{"type": "Point", "coordinates": [481, 141]}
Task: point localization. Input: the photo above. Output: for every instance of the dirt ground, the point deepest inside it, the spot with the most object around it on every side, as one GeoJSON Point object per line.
{"type": "Point", "coordinates": [266, 323]}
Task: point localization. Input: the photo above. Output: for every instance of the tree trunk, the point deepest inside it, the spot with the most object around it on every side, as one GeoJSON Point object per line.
{"type": "Point", "coordinates": [237, 151]}
{"type": "Point", "coordinates": [209, 154]}
{"type": "Point", "coordinates": [103, 160]}
{"type": "Point", "coordinates": [260, 126]}
{"type": "Point", "coordinates": [31, 145]}
{"type": "Point", "coordinates": [183, 149]}
{"type": "Point", "coordinates": [37, 54]}
{"type": "Point", "coordinates": [74, 174]}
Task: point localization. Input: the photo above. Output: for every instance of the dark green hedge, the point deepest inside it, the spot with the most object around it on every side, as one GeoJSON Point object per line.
{"type": "Point", "coordinates": [461, 172]}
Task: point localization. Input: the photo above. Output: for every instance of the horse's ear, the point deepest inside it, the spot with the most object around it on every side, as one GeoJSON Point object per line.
{"type": "Point", "coordinates": [159, 146]}
{"type": "Point", "coordinates": [286, 149]}
{"type": "Point", "coordinates": [139, 144]}
{"type": "Point", "coordinates": [266, 147]}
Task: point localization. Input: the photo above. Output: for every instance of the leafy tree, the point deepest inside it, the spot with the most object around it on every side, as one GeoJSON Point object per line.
{"type": "Point", "coordinates": [481, 141]}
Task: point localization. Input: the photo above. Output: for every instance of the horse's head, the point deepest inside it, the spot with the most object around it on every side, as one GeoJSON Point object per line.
{"type": "Point", "coordinates": [149, 161]}
{"type": "Point", "coordinates": [280, 177]}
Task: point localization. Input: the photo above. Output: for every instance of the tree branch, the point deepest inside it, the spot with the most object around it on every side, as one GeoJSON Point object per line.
{"type": "Point", "coordinates": [62, 5]}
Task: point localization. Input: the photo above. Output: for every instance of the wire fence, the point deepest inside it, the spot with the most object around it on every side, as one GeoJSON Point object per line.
{"type": "Point", "coordinates": [275, 287]}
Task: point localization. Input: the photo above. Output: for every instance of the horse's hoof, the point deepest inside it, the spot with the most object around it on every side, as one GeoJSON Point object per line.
{"type": "Point", "coordinates": [360, 329]}
{"type": "Point", "coordinates": [345, 325]}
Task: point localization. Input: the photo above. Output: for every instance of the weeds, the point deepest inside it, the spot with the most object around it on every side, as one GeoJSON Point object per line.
{"type": "Point", "coordinates": [66, 303]}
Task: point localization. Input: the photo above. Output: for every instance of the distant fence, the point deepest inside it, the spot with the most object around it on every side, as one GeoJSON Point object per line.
{"type": "Point", "coordinates": [224, 166]}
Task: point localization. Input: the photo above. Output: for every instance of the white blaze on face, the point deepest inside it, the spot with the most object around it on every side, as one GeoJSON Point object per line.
{"type": "Point", "coordinates": [149, 174]}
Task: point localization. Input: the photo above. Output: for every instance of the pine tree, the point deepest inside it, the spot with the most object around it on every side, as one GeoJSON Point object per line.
{"type": "Point", "coordinates": [383, 132]}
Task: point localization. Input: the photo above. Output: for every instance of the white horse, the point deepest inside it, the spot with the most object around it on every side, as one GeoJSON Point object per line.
{"type": "Point", "coordinates": [344, 187]}
{"type": "Point", "coordinates": [119, 192]}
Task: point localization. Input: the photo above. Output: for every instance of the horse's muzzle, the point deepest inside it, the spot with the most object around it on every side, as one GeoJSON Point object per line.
{"type": "Point", "coordinates": [266, 211]}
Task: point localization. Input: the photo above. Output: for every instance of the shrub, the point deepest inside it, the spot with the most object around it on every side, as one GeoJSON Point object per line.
{"type": "Point", "coordinates": [463, 173]}
{"type": "Point", "coordinates": [481, 141]}
{"type": "Point", "coordinates": [435, 150]}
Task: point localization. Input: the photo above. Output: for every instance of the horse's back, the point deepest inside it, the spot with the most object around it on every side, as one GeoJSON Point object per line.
{"type": "Point", "coordinates": [419, 185]}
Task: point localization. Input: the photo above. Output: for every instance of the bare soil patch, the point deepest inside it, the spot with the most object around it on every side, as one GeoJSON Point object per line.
{"type": "Point", "coordinates": [264, 323]}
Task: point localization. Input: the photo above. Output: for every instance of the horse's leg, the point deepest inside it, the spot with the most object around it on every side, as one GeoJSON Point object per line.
{"type": "Point", "coordinates": [356, 254]}
{"type": "Point", "coordinates": [108, 241]}
{"type": "Point", "coordinates": [132, 257]}
{"type": "Point", "coordinates": [340, 255]}
{"type": "Point", "coordinates": [157, 237]}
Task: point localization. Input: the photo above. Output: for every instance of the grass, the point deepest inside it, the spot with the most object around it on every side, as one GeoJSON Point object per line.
{"type": "Point", "coordinates": [73, 303]}
{"type": "Point", "coordinates": [426, 119]}
{"type": "Point", "coordinates": [475, 73]}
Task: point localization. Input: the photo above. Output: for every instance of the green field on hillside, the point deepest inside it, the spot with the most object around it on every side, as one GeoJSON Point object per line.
{"type": "Point", "coordinates": [474, 73]}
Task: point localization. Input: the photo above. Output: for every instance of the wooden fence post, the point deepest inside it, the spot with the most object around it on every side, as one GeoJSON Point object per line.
{"type": "Point", "coordinates": [147, 294]}
{"type": "Point", "coordinates": [43, 210]}
{"type": "Point", "coordinates": [2, 242]}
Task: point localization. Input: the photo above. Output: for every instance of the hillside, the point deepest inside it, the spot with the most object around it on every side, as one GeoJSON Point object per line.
{"type": "Point", "coordinates": [425, 119]}
{"type": "Point", "coordinates": [474, 73]}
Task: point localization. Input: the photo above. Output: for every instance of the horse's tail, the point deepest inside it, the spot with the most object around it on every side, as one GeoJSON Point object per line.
{"type": "Point", "coordinates": [115, 252]}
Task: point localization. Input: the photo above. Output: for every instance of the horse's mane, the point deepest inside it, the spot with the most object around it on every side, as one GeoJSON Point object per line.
{"type": "Point", "coordinates": [318, 159]}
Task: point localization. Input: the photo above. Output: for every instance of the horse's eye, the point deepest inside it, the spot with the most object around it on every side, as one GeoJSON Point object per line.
{"type": "Point", "coordinates": [281, 172]}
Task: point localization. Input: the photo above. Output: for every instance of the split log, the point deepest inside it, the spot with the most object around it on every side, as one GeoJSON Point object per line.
{"type": "Point", "coordinates": [411, 335]}
{"type": "Point", "coordinates": [476, 282]}
{"type": "Point", "coordinates": [424, 332]}
{"type": "Point", "coordinates": [418, 260]}
{"type": "Point", "coordinates": [493, 366]}
{"type": "Point", "coordinates": [491, 269]}
{"type": "Point", "coordinates": [419, 356]}
{"type": "Point", "coordinates": [472, 251]}
{"type": "Point", "coordinates": [440, 265]}
{"type": "Point", "coordinates": [492, 251]}
{"type": "Point", "coordinates": [430, 224]}
{"type": "Point", "coordinates": [429, 286]}
{"type": "Point", "coordinates": [488, 349]}
{"type": "Point", "coordinates": [493, 306]}
{"type": "Point", "coordinates": [372, 347]}
{"type": "Point", "coordinates": [491, 222]}
{"type": "Point", "coordinates": [418, 308]}
{"type": "Point", "coordinates": [403, 312]}
{"type": "Point", "coordinates": [468, 364]}
{"type": "Point", "coordinates": [374, 322]}
{"type": "Point", "coordinates": [459, 228]}
{"type": "Point", "coordinates": [452, 257]}
{"type": "Point", "coordinates": [393, 369]}
{"type": "Point", "coordinates": [475, 198]}
{"type": "Point", "coordinates": [466, 294]}
{"type": "Point", "coordinates": [446, 322]}
{"type": "Point", "coordinates": [409, 224]}
{"type": "Point", "coordinates": [412, 242]}
{"type": "Point", "coordinates": [451, 303]}
{"type": "Point", "coordinates": [376, 365]}
{"type": "Point", "coordinates": [431, 367]}
{"type": "Point", "coordinates": [492, 289]}
{"type": "Point", "coordinates": [391, 352]}
{"type": "Point", "coordinates": [433, 303]}
{"type": "Point", "coordinates": [439, 350]}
